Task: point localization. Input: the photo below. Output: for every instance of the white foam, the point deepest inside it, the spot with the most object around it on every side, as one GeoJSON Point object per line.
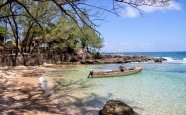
{"type": "Point", "coordinates": [172, 60]}
{"type": "Point", "coordinates": [168, 58]}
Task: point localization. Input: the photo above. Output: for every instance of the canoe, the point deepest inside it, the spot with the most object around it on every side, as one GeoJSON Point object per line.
{"type": "Point", "coordinates": [114, 73]}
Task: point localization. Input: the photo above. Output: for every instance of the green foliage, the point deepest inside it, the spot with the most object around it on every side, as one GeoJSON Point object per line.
{"type": "Point", "coordinates": [58, 29]}
{"type": "Point", "coordinates": [66, 34]}
{"type": "Point", "coordinates": [90, 40]}
{"type": "Point", "coordinates": [4, 33]}
{"type": "Point", "coordinates": [2, 30]}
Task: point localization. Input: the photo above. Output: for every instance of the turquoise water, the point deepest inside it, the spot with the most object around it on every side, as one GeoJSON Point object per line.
{"type": "Point", "coordinates": [160, 89]}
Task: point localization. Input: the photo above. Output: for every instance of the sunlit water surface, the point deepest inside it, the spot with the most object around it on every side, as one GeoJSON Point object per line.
{"type": "Point", "coordinates": [160, 89]}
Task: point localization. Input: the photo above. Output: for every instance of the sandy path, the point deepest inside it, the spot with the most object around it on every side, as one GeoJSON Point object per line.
{"type": "Point", "coordinates": [21, 94]}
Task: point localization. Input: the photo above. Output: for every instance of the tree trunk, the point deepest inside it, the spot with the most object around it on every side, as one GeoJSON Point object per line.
{"type": "Point", "coordinates": [26, 38]}
{"type": "Point", "coordinates": [14, 27]}
{"type": "Point", "coordinates": [30, 43]}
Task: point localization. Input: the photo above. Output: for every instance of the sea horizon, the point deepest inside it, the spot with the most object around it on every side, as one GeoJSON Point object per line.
{"type": "Point", "coordinates": [137, 51]}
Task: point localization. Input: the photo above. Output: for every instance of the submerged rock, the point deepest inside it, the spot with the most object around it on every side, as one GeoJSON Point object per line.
{"type": "Point", "coordinates": [115, 107]}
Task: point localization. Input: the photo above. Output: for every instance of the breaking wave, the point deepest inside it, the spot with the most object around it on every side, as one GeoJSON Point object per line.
{"type": "Point", "coordinates": [175, 60]}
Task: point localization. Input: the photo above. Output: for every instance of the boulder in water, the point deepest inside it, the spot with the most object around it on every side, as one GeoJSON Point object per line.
{"type": "Point", "coordinates": [115, 107]}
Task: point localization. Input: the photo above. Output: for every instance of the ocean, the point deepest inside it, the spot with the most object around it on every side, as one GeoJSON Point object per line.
{"type": "Point", "coordinates": [160, 89]}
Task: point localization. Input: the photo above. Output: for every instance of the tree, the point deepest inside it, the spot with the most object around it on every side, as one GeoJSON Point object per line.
{"type": "Point", "coordinates": [22, 16]}
{"type": "Point", "coordinates": [44, 13]}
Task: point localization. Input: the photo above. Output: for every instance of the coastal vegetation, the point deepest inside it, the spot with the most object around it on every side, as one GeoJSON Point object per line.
{"type": "Point", "coordinates": [46, 31]}
{"type": "Point", "coordinates": [64, 30]}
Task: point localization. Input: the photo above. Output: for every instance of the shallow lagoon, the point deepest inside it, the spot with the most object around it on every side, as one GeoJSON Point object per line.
{"type": "Point", "coordinates": [158, 89]}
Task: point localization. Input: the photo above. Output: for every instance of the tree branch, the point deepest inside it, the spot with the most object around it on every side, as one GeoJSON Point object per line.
{"type": "Point", "coordinates": [28, 12]}
{"type": "Point", "coordinates": [6, 3]}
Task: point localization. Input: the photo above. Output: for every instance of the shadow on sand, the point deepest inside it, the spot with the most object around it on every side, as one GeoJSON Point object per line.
{"type": "Point", "coordinates": [17, 99]}
{"type": "Point", "coordinates": [20, 98]}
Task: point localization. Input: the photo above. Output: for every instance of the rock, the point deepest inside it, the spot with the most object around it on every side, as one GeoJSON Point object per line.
{"type": "Point", "coordinates": [115, 107]}
{"type": "Point", "coordinates": [128, 61]}
{"type": "Point", "coordinates": [79, 51]}
{"type": "Point", "coordinates": [159, 60]}
{"type": "Point", "coordinates": [120, 61]}
{"type": "Point", "coordinates": [87, 62]}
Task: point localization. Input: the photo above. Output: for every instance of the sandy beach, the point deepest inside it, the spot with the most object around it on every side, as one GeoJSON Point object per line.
{"type": "Point", "coordinates": [21, 93]}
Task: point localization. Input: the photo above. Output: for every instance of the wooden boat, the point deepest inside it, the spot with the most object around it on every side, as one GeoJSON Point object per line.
{"type": "Point", "coordinates": [113, 73]}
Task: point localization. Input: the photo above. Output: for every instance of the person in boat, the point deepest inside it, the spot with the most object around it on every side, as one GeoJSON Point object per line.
{"type": "Point", "coordinates": [91, 73]}
{"type": "Point", "coordinates": [122, 68]}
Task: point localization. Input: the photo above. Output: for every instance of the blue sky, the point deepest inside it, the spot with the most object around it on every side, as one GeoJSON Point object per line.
{"type": "Point", "coordinates": [158, 29]}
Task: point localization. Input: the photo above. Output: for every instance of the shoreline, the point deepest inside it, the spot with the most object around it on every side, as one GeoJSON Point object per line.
{"type": "Point", "coordinates": [24, 86]}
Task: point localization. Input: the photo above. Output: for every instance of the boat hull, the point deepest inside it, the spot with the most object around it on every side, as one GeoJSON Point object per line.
{"type": "Point", "coordinates": [116, 73]}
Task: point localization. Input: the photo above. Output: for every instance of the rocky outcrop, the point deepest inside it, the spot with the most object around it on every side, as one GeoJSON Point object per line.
{"type": "Point", "coordinates": [115, 107]}
{"type": "Point", "coordinates": [108, 59]}
{"type": "Point", "coordinates": [159, 60]}
{"type": "Point", "coordinates": [78, 57]}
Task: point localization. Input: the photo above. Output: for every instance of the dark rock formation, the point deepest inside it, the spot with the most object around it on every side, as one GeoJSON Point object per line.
{"type": "Point", "coordinates": [108, 59]}
{"type": "Point", "coordinates": [115, 107]}
{"type": "Point", "coordinates": [159, 60]}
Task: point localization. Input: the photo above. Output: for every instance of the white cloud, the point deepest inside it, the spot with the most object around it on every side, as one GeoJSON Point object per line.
{"type": "Point", "coordinates": [132, 12]}
{"type": "Point", "coordinates": [172, 6]}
